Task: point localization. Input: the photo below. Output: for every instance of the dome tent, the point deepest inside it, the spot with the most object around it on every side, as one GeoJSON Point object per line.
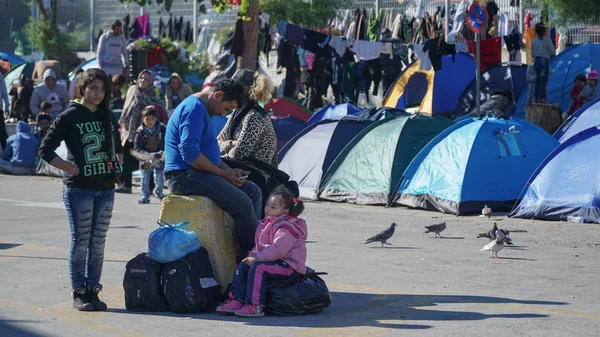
{"type": "Point", "coordinates": [330, 111]}
{"type": "Point", "coordinates": [370, 167]}
{"type": "Point", "coordinates": [476, 162]}
{"type": "Point", "coordinates": [567, 183]}
{"type": "Point", "coordinates": [587, 116]}
{"type": "Point", "coordinates": [308, 155]}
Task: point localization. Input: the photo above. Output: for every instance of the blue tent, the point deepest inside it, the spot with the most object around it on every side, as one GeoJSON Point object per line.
{"type": "Point", "coordinates": [567, 183]}
{"type": "Point", "coordinates": [286, 128]}
{"type": "Point", "coordinates": [587, 116]}
{"type": "Point", "coordinates": [578, 59]}
{"type": "Point", "coordinates": [503, 76]}
{"type": "Point", "coordinates": [12, 58]}
{"type": "Point", "coordinates": [474, 163]}
{"type": "Point", "coordinates": [307, 157]}
{"type": "Point", "coordinates": [434, 92]}
{"type": "Point", "coordinates": [330, 111]}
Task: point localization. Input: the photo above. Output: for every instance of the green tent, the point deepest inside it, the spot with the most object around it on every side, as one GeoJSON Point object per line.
{"type": "Point", "coordinates": [370, 167]}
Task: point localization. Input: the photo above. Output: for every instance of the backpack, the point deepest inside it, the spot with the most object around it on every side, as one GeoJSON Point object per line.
{"type": "Point", "coordinates": [307, 294]}
{"type": "Point", "coordinates": [189, 283]}
{"type": "Point", "coordinates": [143, 291]}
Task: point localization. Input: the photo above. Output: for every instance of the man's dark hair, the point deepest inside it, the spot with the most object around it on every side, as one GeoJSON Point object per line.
{"type": "Point", "coordinates": [117, 23]}
{"type": "Point", "coordinates": [233, 91]}
{"type": "Point", "coordinates": [118, 79]}
{"type": "Point", "coordinates": [45, 106]}
{"type": "Point", "coordinates": [41, 117]}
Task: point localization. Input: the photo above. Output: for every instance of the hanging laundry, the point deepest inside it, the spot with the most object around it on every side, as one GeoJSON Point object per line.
{"type": "Point", "coordinates": [237, 48]}
{"type": "Point", "coordinates": [515, 3]}
{"type": "Point", "coordinates": [294, 34]}
{"type": "Point", "coordinates": [170, 30]}
{"type": "Point", "coordinates": [492, 10]}
{"type": "Point", "coordinates": [179, 29]}
{"type": "Point", "coordinates": [366, 50]}
{"type": "Point", "coordinates": [282, 27]}
{"type": "Point", "coordinates": [420, 10]}
{"type": "Point", "coordinates": [436, 48]}
{"type": "Point", "coordinates": [374, 25]}
{"type": "Point", "coordinates": [528, 20]}
{"type": "Point", "coordinates": [513, 44]}
{"type": "Point", "coordinates": [126, 26]}
{"type": "Point", "coordinates": [458, 20]}
{"type": "Point", "coordinates": [161, 28]}
{"type": "Point", "coordinates": [189, 35]}
{"type": "Point", "coordinates": [338, 44]}
{"type": "Point", "coordinates": [314, 43]}
{"type": "Point", "coordinates": [348, 84]}
{"type": "Point", "coordinates": [374, 67]}
{"type": "Point", "coordinates": [490, 52]}
{"type": "Point", "coordinates": [425, 63]}
{"type": "Point", "coordinates": [503, 26]}
{"type": "Point", "coordinates": [141, 26]}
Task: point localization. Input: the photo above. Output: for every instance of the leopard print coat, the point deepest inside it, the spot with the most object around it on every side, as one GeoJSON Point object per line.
{"type": "Point", "coordinates": [255, 137]}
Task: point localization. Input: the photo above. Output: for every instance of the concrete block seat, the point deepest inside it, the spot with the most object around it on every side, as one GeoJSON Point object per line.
{"type": "Point", "coordinates": [214, 228]}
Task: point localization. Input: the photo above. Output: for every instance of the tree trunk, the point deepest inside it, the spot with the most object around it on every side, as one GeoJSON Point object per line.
{"type": "Point", "coordinates": [251, 30]}
{"type": "Point", "coordinates": [40, 4]}
{"type": "Point", "coordinates": [546, 116]}
{"type": "Point", "coordinates": [54, 11]}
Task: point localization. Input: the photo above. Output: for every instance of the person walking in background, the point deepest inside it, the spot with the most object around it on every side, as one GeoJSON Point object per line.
{"type": "Point", "coordinates": [50, 92]}
{"type": "Point", "coordinates": [150, 139]}
{"type": "Point", "coordinates": [112, 51]}
{"type": "Point", "coordinates": [542, 50]}
{"type": "Point", "coordinates": [176, 92]}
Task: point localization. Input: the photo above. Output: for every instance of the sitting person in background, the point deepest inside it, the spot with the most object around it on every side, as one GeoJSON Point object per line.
{"type": "Point", "coordinates": [50, 92]}
{"type": "Point", "coordinates": [43, 123]}
{"type": "Point", "coordinates": [590, 91]}
{"type": "Point", "coordinates": [580, 82]}
{"type": "Point", "coordinates": [249, 132]}
{"type": "Point", "coordinates": [176, 91]}
{"type": "Point", "coordinates": [150, 139]}
{"type": "Point", "coordinates": [20, 155]}
{"type": "Point", "coordinates": [116, 101]}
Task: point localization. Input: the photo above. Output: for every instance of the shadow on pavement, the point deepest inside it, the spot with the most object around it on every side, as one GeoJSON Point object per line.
{"type": "Point", "coordinates": [4, 246]}
{"type": "Point", "coordinates": [9, 328]}
{"type": "Point", "coordinates": [392, 311]}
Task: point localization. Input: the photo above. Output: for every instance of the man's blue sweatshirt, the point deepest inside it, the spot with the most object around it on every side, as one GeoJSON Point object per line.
{"type": "Point", "coordinates": [189, 133]}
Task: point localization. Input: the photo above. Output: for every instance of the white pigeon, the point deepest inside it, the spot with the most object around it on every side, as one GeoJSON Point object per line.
{"type": "Point", "coordinates": [496, 245]}
{"type": "Point", "coordinates": [486, 212]}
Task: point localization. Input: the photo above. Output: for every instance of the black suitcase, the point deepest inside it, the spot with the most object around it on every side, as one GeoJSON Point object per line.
{"type": "Point", "coordinates": [189, 283]}
{"type": "Point", "coordinates": [143, 290]}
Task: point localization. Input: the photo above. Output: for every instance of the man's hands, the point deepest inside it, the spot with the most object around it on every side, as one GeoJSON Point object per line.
{"type": "Point", "coordinates": [233, 176]}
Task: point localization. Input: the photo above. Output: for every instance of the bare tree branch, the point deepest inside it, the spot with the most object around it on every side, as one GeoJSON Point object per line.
{"type": "Point", "coordinates": [40, 4]}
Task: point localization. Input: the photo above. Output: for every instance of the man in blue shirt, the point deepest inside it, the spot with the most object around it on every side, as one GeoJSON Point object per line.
{"type": "Point", "coordinates": [193, 163]}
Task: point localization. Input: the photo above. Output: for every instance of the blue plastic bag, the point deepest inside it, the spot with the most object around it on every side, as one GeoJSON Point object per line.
{"type": "Point", "coordinates": [170, 243]}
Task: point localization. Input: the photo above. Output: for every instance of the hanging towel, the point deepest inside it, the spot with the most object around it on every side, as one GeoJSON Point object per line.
{"type": "Point", "coordinates": [459, 17]}
{"type": "Point", "coordinates": [338, 44]}
{"type": "Point", "coordinates": [490, 53]}
{"type": "Point", "coordinates": [367, 50]}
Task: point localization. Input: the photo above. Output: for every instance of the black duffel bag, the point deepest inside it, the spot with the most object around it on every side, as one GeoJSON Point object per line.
{"type": "Point", "coordinates": [305, 295]}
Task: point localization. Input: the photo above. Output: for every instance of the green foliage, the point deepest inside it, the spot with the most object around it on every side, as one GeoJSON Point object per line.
{"type": "Point", "coordinates": [219, 5]}
{"type": "Point", "coordinates": [302, 13]}
{"type": "Point", "coordinates": [574, 11]}
{"type": "Point", "coordinates": [56, 44]}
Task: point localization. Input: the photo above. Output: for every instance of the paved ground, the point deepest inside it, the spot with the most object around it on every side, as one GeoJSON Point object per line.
{"type": "Point", "coordinates": [421, 286]}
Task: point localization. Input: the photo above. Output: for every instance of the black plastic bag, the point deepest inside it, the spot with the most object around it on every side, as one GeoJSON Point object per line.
{"type": "Point", "coordinates": [303, 296]}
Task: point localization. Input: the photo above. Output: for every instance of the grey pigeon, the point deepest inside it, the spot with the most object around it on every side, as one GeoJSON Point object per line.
{"type": "Point", "coordinates": [437, 229]}
{"type": "Point", "coordinates": [153, 159]}
{"type": "Point", "coordinates": [496, 245]}
{"type": "Point", "coordinates": [492, 234]}
{"type": "Point", "coordinates": [383, 236]}
{"type": "Point", "coordinates": [486, 212]}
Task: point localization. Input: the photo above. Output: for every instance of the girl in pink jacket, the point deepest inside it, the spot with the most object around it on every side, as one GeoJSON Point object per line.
{"type": "Point", "coordinates": [279, 253]}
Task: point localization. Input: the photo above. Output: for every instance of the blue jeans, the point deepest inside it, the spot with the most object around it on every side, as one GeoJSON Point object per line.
{"type": "Point", "coordinates": [242, 204]}
{"type": "Point", "coordinates": [159, 181]}
{"type": "Point", "coordinates": [541, 65]}
{"type": "Point", "coordinates": [89, 214]}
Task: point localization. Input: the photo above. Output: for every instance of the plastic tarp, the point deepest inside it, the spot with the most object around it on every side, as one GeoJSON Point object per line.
{"type": "Point", "coordinates": [286, 128]}
{"type": "Point", "coordinates": [89, 64]}
{"type": "Point", "coordinates": [369, 168]}
{"type": "Point", "coordinates": [584, 118]}
{"type": "Point", "coordinates": [306, 157]}
{"type": "Point", "coordinates": [330, 111]}
{"type": "Point", "coordinates": [567, 183]}
{"type": "Point", "coordinates": [578, 59]}
{"type": "Point", "coordinates": [286, 106]}
{"type": "Point", "coordinates": [505, 76]}
{"type": "Point", "coordinates": [443, 87]}
{"type": "Point", "coordinates": [475, 163]}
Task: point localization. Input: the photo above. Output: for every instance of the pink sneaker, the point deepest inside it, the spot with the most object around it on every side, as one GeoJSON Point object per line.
{"type": "Point", "coordinates": [230, 307]}
{"type": "Point", "coordinates": [250, 310]}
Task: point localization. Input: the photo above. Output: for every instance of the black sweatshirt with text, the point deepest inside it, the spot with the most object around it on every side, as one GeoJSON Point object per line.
{"type": "Point", "coordinates": [82, 131]}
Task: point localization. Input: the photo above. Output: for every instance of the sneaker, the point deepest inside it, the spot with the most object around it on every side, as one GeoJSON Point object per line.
{"type": "Point", "coordinates": [92, 294]}
{"type": "Point", "coordinates": [230, 306]}
{"type": "Point", "coordinates": [123, 189]}
{"type": "Point", "coordinates": [250, 310]}
{"type": "Point", "coordinates": [144, 201]}
{"type": "Point", "coordinates": [159, 195]}
{"type": "Point", "coordinates": [81, 300]}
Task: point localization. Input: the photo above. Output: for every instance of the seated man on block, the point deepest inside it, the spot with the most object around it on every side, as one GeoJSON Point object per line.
{"type": "Point", "coordinates": [193, 163]}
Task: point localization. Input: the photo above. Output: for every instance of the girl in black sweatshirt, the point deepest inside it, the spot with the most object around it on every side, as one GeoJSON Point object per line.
{"type": "Point", "coordinates": [91, 135]}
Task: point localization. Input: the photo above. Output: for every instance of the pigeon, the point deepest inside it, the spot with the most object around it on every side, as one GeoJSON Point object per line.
{"type": "Point", "coordinates": [492, 234]}
{"type": "Point", "coordinates": [437, 229]}
{"type": "Point", "coordinates": [153, 159]}
{"type": "Point", "coordinates": [383, 236]}
{"type": "Point", "coordinates": [496, 245]}
{"type": "Point", "coordinates": [486, 212]}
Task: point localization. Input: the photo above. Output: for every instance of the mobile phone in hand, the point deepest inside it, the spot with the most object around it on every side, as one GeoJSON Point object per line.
{"type": "Point", "coordinates": [243, 177]}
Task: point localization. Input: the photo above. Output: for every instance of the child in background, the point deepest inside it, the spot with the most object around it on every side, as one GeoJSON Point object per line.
{"type": "Point", "coordinates": [542, 51]}
{"type": "Point", "coordinates": [279, 253]}
{"type": "Point", "coordinates": [45, 108]}
{"type": "Point", "coordinates": [150, 138]}
{"type": "Point", "coordinates": [43, 124]}
{"type": "Point", "coordinates": [580, 82]}
{"type": "Point", "coordinates": [590, 91]}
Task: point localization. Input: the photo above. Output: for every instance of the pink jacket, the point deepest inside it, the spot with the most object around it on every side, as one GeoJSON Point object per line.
{"type": "Point", "coordinates": [282, 237]}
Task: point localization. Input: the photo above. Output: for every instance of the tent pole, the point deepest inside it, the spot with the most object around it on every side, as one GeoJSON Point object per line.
{"type": "Point", "coordinates": [478, 72]}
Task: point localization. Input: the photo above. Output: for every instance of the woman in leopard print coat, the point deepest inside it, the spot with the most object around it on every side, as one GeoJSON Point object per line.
{"type": "Point", "coordinates": [249, 132]}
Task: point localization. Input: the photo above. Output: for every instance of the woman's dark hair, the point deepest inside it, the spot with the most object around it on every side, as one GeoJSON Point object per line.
{"type": "Point", "coordinates": [295, 206]}
{"type": "Point", "coordinates": [150, 110]}
{"type": "Point", "coordinates": [540, 30]}
{"type": "Point", "coordinates": [88, 77]}
{"type": "Point", "coordinates": [580, 77]}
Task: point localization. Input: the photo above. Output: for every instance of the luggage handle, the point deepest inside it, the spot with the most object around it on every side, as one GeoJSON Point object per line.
{"type": "Point", "coordinates": [162, 223]}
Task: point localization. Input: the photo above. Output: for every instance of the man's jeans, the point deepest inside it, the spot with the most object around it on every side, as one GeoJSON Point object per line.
{"type": "Point", "coordinates": [15, 170]}
{"type": "Point", "coordinates": [159, 181]}
{"type": "Point", "coordinates": [242, 203]}
{"type": "Point", "coordinates": [89, 214]}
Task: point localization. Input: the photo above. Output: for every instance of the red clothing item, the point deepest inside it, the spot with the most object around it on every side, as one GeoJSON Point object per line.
{"type": "Point", "coordinates": [577, 101]}
{"type": "Point", "coordinates": [491, 52]}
